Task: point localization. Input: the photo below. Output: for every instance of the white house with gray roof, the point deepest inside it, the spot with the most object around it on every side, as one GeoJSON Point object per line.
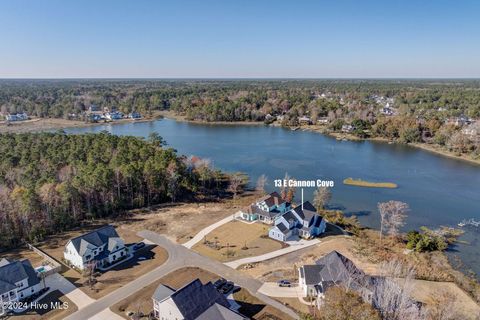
{"type": "Point", "coordinates": [195, 301]}
{"type": "Point", "coordinates": [101, 247]}
{"type": "Point", "coordinates": [302, 221]}
{"type": "Point", "coordinates": [18, 280]}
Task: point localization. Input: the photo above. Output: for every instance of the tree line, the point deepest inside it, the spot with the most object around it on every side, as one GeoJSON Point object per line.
{"type": "Point", "coordinates": [50, 182]}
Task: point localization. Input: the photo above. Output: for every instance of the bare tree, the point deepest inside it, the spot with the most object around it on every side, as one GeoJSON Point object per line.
{"type": "Point", "coordinates": [391, 293]}
{"type": "Point", "coordinates": [261, 183]}
{"type": "Point", "coordinates": [283, 188]}
{"type": "Point", "coordinates": [321, 197]}
{"type": "Point", "coordinates": [89, 273]}
{"type": "Point", "coordinates": [236, 184]}
{"type": "Point", "coordinates": [392, 217]}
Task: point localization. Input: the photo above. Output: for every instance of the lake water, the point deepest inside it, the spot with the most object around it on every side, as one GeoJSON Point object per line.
{"type": "Point", "coordinates": [439, 190]}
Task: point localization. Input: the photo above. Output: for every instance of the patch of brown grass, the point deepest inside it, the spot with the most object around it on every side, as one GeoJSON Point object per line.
{"type": "Point", "coordinates": [236, 240]}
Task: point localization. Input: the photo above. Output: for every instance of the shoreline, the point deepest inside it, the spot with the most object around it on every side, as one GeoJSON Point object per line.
{"type": "Point", "coordinates": [45, 124]}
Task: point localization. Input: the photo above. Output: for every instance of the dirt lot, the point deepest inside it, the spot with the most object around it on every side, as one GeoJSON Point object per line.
{"type": "Point", "coordinates": [236, 240]}
{"type": "Point", "coordinates": [38, 125]}
{"type": "Point", "coordinates": [50, 314]}
{"type": "Point", "coordinates": [141, 300]}
{"type": "Point", "coordinates": [427, 291]}
{"type": "Point", "coordinates": [21, 254]}
{"type": "Point", "coordinates": [180, 222]}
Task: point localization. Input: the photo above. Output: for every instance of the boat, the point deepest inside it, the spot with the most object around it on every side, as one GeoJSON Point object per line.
{"type": "Point", "coordinates": [469, 222]}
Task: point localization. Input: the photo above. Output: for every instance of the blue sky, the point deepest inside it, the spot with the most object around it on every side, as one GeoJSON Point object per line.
{"type": "Point", "coordinates": [243, 38]}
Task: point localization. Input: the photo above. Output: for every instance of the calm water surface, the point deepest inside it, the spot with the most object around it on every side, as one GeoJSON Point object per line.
{"type": "Point", "coordinates": [439, 190]}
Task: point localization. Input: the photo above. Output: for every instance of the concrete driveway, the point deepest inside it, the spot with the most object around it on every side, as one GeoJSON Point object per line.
{"type": "Point", "coordinates": [272, 289]}
{"type": "Point", "coordinates": [77, 296]}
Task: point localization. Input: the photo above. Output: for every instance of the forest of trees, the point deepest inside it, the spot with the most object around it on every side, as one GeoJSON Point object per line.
{"type": "Point", "coordinates": [422, 106]}
{"type": "Point", "coordinates": [241, 100]}
{"type": "Point", "coordinates": [51, 181]}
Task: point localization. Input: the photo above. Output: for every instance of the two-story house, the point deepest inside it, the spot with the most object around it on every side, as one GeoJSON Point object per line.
{"type": "Point", "coordinates": [18, 280]}
{"type": "Point", "coordinates": [101, 247]}
{"type": "Point", "coordinates": [266, 209]}
{"type": "Point", "coordinates": [302, 221]}
{"type": "Point", "coordinates": [195, 301]}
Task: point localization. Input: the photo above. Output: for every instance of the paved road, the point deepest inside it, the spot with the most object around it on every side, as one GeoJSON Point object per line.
{"type": "Point", "coordinates": [200, 235]}
{"type": "Point", "coordinates": [179, 257]}
{"type": "Point", "coordinates": [294, 246]}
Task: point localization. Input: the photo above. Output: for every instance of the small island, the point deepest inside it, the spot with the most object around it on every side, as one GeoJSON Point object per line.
{"type": "Point", "coordinates": [368, 184]}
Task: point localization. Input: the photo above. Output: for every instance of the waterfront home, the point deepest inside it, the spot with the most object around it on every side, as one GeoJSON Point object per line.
{"type": "Point", "coordinates": [135, 115]}
{"type": "Point", "coordinates": [323, 120]}
{"type": "Point", "coordinates": [101, 247]}
{"type": "Point", "coordinates": [18, 281]}
{"type": "Point", "coordinates": [266, 209]}
{"type": "Point", "coordinates": [114, 115]}
{"type": "Point", "coordinates": [95, 117]}
{"type": "Point", "coordinates": [304, 120]}
{"type": "Point", "coordinates": [302, 221]}
{"type": "Point", "coordinates": [16, 117]}
{"type": "Point", "coordinates": [348, 128]}
{"type": "Point", "coordinates": [194, 301]}
{"type": "Point", "coordinates": [334, 269]}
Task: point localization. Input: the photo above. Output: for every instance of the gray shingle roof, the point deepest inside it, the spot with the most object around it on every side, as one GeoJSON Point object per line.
{"type": "Point", "coordinates": [307, 212]}
{"type": "Point", "coordinates": [17, 271]}
{"type": "Point", "coordinates": [219, 312]}
{"type": "Point", "coordinates": [162, 292]}
{"type": "Point", "coordinates": [311, 273]}
{"type": "Point", "coordinates": [282, 228]}
{"type": "Point", "coordinates": [96, 238]}
{"type": "Point", "coordinates": [338, 268]}
{"type": "Point", "coordinates": [195, 298]}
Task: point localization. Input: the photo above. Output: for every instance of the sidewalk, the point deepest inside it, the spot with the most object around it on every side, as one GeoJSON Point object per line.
{"type": "Point", "coordinates": [297, 245]}
{"type": "Point", "coordinates": [200, 235]}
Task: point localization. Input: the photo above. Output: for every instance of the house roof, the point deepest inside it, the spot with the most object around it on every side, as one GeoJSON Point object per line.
{"type": "Point", "coordinates": [162, 292]}
{"type": "Point", "coordinates": [255, 209]}
{"type": "Point", "coordinates": [195, 298]}
{"type": "Point", "coordinates": [311, 273]}
{"type": "Point", "coordinates": [289, 216]}
{"type": "Point", "coordinates": [94, 239]}
{"type": "Point", "coordinates": [283, 229]}
{"type": "Point", "coordinates": [337, 268]}
{"type": "Point", "coordinates": [14, 272]}
{"type": "Point", "coordinates": [272, 199]}
{"type": "Point", "coordinates": [307, 212]}
{"type": "Point", "coordinates": [217, 311]}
